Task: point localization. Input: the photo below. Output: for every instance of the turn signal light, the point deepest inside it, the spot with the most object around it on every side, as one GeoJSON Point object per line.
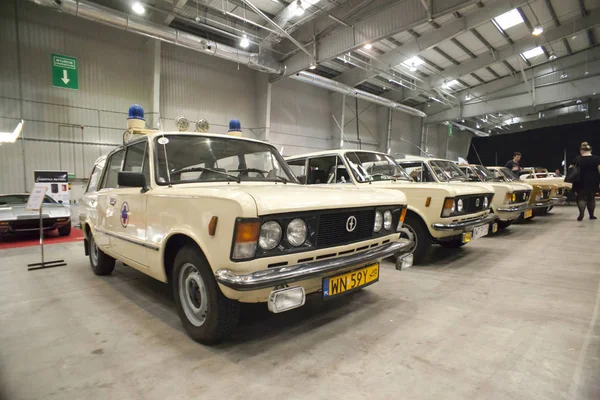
{"type": "Point", "coordinates": [403, 215]}
{"type": "Point", "coordinates": [246, 237]}
{"type": "Point", "coordinates": [212, 225]}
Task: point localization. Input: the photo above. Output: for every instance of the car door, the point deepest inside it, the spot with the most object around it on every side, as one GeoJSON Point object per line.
{"type": "Point", "coordinates": [101, 209]}
{"type": "Point", "coordinates": [127, 221]}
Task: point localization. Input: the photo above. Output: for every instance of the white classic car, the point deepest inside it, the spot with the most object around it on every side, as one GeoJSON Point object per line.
{"type": "Point", "coordinates": [449, 215]}
{"type": "Point", "coordinates": [224, 221]}
{"type": "Point", "coordinates": [530, 175]}
{"type": "Point", "coordinates": [512, 198]}
{"type": "Point", "coordinates": [15, 219]}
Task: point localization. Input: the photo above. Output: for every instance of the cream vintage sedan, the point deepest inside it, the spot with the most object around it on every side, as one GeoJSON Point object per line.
{"type": "Point", "coordinates": [448, 215]}
{"type": "Point", "coordinates": [224, 221]}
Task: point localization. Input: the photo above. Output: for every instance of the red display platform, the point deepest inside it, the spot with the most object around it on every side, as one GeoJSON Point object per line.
{"type": "Point", "coordinates": [15, 241]}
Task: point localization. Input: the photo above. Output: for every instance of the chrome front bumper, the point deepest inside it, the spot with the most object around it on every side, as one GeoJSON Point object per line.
{"type": "Point", "coordinates": [454, 226]}
{"type": "Point", "coordinates": [549, 203]}
{"type": "Point", "coordinates": [273, 277]}
{"type": "Point", "coordinates": [511, 209]}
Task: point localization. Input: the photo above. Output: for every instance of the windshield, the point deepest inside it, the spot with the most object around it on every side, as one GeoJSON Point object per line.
{"type": "Point", "coordinates": [372, 167]}
{"type": "Point", "coordinates": [194, 158]}
{"type": "Point", "coordinates": [446, 171]}
{"type": "Point", "coordinates": [484, 174]}
{"type": "Point", "coordinates": [507, 174]}
{"type": "Point", "coordinates": [19, 199]}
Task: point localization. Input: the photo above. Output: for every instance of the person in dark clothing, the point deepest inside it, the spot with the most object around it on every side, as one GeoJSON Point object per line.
{"type": "Point", "coordinates": [514, 164]}
{"type": "Point", "coordinates": [589, 181]}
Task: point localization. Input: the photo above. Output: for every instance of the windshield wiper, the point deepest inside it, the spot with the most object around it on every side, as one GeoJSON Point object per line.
{"type": "Point", "coordinates": [259, 171]}
{"type": "Point", "coordinates": [203, 169]}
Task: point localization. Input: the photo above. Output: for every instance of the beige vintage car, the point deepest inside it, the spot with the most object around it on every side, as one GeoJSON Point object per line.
{"type": "Point", "coordinates": [449, 215]}
{"type": "Point", "coordinates": [224, 221]}
{"type": "Point", "coordinates": [512, 198]}
{"type": "Point", "coordinates": [543, 176]}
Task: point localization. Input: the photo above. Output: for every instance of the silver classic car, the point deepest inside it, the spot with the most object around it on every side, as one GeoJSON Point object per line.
{"type": "Point", "coordinates": [15, 219]}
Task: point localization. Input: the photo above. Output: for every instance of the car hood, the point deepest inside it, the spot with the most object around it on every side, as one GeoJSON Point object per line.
{"type": "Point", "coordinates": [48, 211]}
{"type": "Point", "coordinates": [484, 187]}
{"type": "Point", "coordinates": [452, 189]}
{"type": "Point", "coordinates": [277, 198]}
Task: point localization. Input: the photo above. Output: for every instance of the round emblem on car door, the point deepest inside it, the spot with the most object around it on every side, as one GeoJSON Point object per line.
{"type": "Point", "coordinates": [125, 215]}
{"type": "Point", "coordinates": [477, 203]}
{"type": "Point", "coordinates": [351, 223]}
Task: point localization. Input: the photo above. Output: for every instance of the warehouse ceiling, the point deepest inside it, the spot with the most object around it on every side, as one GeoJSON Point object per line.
{"type": "Point", "coordinates": [495, 65]}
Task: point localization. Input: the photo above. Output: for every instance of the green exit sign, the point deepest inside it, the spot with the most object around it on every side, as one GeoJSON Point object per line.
{"type": "Point", "coordinates": [64, 72]}
{"type": "Point", "coordinates": [450, 129]}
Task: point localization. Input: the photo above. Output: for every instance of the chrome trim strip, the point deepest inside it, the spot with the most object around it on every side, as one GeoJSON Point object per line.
{"type": "Point", "coordinates": [452, 226]}
{"type": "Point", "coordinates": [548, 203]}
{"type": "Point", "coordinates": [521, 208]}
{"type": "Point", "coordinates": [272, 277]}
{"type": "Point", "coordinates": [146, 245]}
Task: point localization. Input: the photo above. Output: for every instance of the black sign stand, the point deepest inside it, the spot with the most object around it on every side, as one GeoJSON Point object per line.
{"type": "Point", "coordinates": [44, 264]}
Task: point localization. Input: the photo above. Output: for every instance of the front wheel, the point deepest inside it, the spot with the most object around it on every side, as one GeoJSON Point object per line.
{"type": "Point", "coordinates": [65, 230]}
{"type": "Point", "coordinates": [452, 244]}
{"type": "Point", "coordinates": [206, 314]}
{"type": "Point", "coordinates": [422, 242]}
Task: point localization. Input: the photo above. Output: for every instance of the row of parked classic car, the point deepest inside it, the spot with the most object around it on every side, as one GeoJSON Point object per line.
{"type": "Point", "coordinates": [227, 220]}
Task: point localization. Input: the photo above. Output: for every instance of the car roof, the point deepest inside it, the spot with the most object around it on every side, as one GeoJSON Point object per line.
{"type": "Point", "coordinates": [334, 151]}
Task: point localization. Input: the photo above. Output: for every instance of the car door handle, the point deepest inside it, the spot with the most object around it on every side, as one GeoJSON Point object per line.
{"type": "Point", "coordinates": [113, 201]}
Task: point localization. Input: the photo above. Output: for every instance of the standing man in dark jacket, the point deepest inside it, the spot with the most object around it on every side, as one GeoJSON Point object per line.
{"type": "Point", "coordinates": [514, 164]}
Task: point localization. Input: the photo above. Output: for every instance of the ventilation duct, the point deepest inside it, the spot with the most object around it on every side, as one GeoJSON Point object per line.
{"type": "Point", "coordinates": [256, 61]}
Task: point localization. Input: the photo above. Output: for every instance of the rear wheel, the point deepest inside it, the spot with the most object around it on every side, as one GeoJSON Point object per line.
{"type": "Point", "coordinates": [206, 314]}
{"type": "Point", "coordinates": [65, 230]}
{"type": "Point", "coordinates": [422, 242]}
{"type": "Point", "coordinates": [102, 264]}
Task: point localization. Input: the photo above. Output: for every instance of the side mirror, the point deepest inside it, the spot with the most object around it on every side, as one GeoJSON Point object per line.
{"type": "Point", "coordinates": [132, 179]}
{"type": "Point", "coordinates": [60, 202]}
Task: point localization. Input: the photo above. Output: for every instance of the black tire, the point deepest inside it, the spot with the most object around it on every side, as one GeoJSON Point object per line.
{"type": "Point", "coordinates": [504, 224]}
{"type": "Point", "coordinates": [65, 230]}
{"type": "Point", "coordinates": [101, 263]}
{"type": "Point", "coordinates": [422, 247]}
{"type": "Point", "coordinates": [452, 244]}
{"type": "Point", "coordinates": [206, 314]}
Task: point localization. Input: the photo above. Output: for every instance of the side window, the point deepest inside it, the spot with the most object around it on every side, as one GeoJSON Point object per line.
{"type": "Point", "coordinates": [327, 169]}
{"type": "Point", "coordinates": [298, 167]}
{"type": "Point", "coordinates": [136, 160]}
{"type": "Point", "coordinates": [113, 167]}
{"type": "Point", "coordinates": [95, 177]}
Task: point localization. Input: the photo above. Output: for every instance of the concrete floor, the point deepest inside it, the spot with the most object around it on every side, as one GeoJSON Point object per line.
{"type": "Point", "coordinates": [510, 317]}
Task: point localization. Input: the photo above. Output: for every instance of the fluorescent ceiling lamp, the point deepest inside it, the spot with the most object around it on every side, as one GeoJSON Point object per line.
{"type": "Point", "coordinates": [509, 19]}
{"type": "Point", "coordinates": [299, 9]}
{"type": "Point", "coordinates": [312, 66]}
{"type": "Point", "coordinates": [536, 51]}
{"type": "Point", "coordinates": [11, 137]}
{"type": "Point", "coordinates": [368, 46]}
{"type": "Point", "coordinates": [451, 83]}
{"type": "Point", "coordinates": [244, 42]}
{"type": "Point", "coordinates": [412, 63]}
{"type": "Point", "coordinates": [538, 30]}
{"type": "Point", "coordinates": [138, 8]}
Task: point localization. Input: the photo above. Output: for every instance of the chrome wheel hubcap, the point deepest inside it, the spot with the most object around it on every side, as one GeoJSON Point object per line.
{"type": "Point", "coordinates": [414, 235]}
{"type": "Point", "coordinates": [192, 294]}
{"type": "Point", "coordinates": [93, 251]}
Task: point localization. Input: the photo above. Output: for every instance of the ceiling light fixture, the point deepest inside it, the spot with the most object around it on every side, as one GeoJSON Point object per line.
{"type": "Point", "coordinates": [451, 83]}
{"type": "Point", "coordinates": [538, 30]}
{"type": "Point", "coordinates": [579, 101]}
{"type": "Point", "coordinates": [563, 76]}
{"type": "Point", "coordinates": [368, 46]}
{"type": "Point", "coordinates": [299, 9]}
{"type": "Point", "coordinates": [412, 63]}
{"type": "Point", "coordinates": [244, 42]}
{"type": "Point", "coordinates": [552, 56]}
{"type": "Point", "coordinates": [478, 126]}
{"type": "Point", "coordinates": [521, 126]}
{"type": "Point", "coordinates": [509, 19]}
{"type": "Point", "coordinates": [468, 97]}
{"type": "Point", "coordinates": [138, 8]}
{"type": "Point", "coordinates": [586, 73]}
{"type": "Point", "coordinates": [312, 66]}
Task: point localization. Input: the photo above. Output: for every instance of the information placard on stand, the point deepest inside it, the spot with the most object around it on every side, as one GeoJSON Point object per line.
{"type": "Point", "coordinates": [35, 203]}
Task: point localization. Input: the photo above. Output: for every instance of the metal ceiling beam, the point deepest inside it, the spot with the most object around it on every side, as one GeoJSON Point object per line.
{"type": "Point", "coordinates": [463, 47]}
{"type": "Point", "coordinates": [510, 67]}
{"type": "Point", "coordinates": [474, 75]}
{"type": "Point", "coordinates": [406, 14]}
{"type": "Point", "coordinates": [510, 92]}
{"type": "Point", "coordinates": [431, 64]}
{"type": "Point", "coordinates": [525, 19]}
{"type": "Point", "coordinates": [567, 46]}
{"type": "Point", "coordinates": [482, 39]}
{"type": "Point", "coordinates": [582, 9]}
{"type": "Point", "coordinates": [494, 73]}
{"type": "Point", "coordinates": [518, 47]}
{"type": "Point", "coordinates": [552, 13]}
{"type": "Point", "coordinates": [591, 37]}
{"type": "Point", "coordinates": [414, 33]}
{"type": "Point", "coordinates": [445, 55]}
{"type": "Point", "coordinates": [177, 7]}
{"type": "Point", "coordinates": [430, 39]}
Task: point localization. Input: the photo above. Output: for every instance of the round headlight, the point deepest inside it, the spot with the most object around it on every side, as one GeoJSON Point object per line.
{"type": "Point", "coordinates": [270, 235]}
{"type": "Point", "coordinates": [538, 197]}
{"type": "Point", "coordinates": [459, 205]}
{"type": "Point", "coordinates": [387, 220]}
{"type": "Point", "coordinates": [378, 221]}
{"type": "Point", "coordinates": [297, 232]}
{"type": "Point", "coordinates": [486, 202]}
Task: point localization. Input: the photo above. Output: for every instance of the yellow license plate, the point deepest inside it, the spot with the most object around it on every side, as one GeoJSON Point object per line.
{"type": "Point", "coordinates": [335, 285]}
{"type": "Point", "coordinates": [528, 214]}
